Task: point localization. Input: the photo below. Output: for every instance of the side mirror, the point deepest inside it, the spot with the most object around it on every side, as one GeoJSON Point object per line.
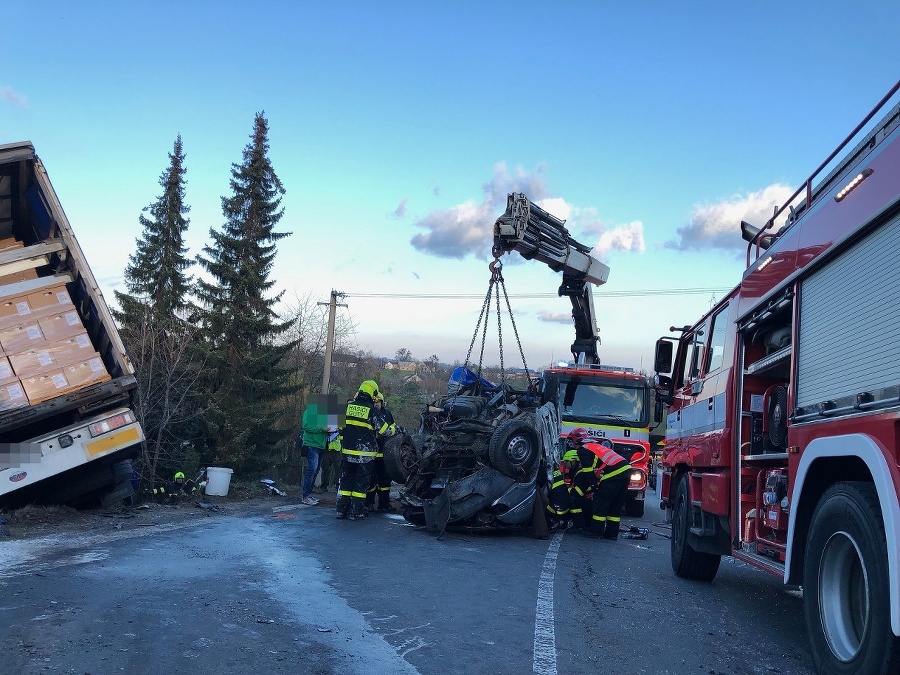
{"type": "Point", "coordinates": [662, 363]}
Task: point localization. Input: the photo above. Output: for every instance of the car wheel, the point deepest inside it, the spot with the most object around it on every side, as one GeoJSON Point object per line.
{"type": "Point", "coordinates": [514, 448]}
{"type": "Point", "coordinates": [400, 458]}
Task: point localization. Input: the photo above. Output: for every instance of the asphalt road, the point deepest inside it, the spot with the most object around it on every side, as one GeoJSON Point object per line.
{"type": "Point", "coordinates": [301, 592]}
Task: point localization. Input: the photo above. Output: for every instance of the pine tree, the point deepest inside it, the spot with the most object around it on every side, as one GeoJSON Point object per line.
{"type": "Point", "coordinates": [246, 344]}
{"type": "Point", "coordinates": [155, 276]}
{"type": "Point", "coordinates": [156, 335]}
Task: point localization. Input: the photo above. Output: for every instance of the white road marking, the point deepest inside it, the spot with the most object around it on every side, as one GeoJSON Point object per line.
{"type": "Point", "coordinates": [544, 632]}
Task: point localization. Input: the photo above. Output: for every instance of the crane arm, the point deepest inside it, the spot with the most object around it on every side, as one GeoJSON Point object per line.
{"type": "Point", "coordinates": [535, 234]}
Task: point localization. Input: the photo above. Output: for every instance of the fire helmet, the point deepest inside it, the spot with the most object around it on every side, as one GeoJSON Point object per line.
{"type": "Point", "coordinates": [570, 456]}
{"type": "Point", "coordinates": [369, 387]}
{"type": "Point", "coordinates": [179, 474]}
{"type": "Point", "coordinates": [577, 437]}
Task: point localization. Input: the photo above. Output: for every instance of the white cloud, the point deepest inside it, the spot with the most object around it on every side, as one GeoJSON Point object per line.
{"type": "Point", "coordinates": [628, 237]}
{"type": "Point", "coordinates": [718, 225]}
{"type": "Point", "coordinates": [554, 317]}
{"type": "Point", "coordinates": [13, 97]}
{"type": "Point", "coordinates": [468, 228]}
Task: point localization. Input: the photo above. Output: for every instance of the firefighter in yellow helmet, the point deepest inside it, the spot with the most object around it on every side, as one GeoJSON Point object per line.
{"type": "Point", "coordinates": [381, 481]}
{"type": "Point", "coordinates": [561, 512]}
{"type": "Point", "coordinates": [363, 425]}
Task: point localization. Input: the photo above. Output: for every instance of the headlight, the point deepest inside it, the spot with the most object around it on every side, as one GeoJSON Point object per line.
{"type": "Point", "coordinates": [637, 476]}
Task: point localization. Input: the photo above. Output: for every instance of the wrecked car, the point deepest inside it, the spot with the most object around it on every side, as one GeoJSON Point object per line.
{"type": "Point", "coordinates": [477, 460]}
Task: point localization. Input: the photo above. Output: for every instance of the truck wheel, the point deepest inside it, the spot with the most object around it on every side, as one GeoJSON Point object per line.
{"type": "Point", "coordinates": [687, 562]}
{"type": "Point", "coordinates": [846, 590]}
{"type": "Point", "coordinates": [400, 458]}
{"type": "Point", "coordinates": [514, 448]}
{"type": "Point", "coordinates": [634, 507]}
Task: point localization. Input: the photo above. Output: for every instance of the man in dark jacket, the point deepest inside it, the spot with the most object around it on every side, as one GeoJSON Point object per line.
{"type": "Point", "coordinates": [381, 481]}
{"type": "Point", "coordinates": [363, 424]}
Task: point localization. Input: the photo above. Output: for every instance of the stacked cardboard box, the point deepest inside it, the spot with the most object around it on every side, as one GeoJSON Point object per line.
{"type": "Point", "coordinates": [44, 349]}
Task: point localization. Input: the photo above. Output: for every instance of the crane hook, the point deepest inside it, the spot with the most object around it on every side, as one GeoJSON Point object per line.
{"type": "Point", "coordinates": [496, 267]}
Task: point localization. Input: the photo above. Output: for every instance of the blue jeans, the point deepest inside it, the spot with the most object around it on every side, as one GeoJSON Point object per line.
{"type": "Point", "coordinates": [313, 457]}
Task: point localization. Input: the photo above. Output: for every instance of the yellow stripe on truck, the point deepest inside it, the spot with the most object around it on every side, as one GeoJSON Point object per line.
{"type": "Point", "coordinates": [119, 439]}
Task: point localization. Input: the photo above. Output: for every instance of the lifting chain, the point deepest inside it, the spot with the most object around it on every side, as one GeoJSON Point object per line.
{"type": "Point", "coordinates": [496, 268]}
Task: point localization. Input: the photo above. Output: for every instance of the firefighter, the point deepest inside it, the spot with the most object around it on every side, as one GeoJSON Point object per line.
{"type": "Point", "coordinates": [381, 481]}
{"type": "Point", "coordinates": [602, 479]}
{"type": "Point", "coordinates": [560, 510]}
{"type": "Point", "coordinates": [364, 423]}
{"type": "Point", "coordinates": [177, 487]}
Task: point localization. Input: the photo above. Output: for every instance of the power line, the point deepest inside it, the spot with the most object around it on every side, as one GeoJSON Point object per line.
{"type": "Point", "coordinates": [537, 296]}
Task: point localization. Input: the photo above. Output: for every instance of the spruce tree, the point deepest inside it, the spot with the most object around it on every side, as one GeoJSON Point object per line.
{"type": "Point", "coordinates": [152, 317]}
{"type": "Point", "coordinates": [155, 276]}
{"type": "Point", "coordinates": [246, 343]}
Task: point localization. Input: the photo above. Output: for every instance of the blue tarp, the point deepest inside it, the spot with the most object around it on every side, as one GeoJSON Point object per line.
{"type": "Point", "coordinates": [462, 377]}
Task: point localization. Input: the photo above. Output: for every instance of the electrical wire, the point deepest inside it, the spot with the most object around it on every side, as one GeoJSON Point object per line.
{"type": "Point", "coordinates": [536, 296]}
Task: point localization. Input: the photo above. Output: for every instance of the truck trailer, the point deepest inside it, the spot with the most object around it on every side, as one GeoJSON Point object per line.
{"type": "Point", "coordinates": [67, 428]}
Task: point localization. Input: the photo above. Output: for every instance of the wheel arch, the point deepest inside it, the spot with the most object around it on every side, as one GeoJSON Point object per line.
{"type": "Point", "coordinates": [829, 460]}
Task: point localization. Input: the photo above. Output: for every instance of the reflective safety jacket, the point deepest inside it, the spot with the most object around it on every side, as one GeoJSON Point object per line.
{"type": "Point", "coordinates": [392, 429]}
{"type": "Point", "coordinates": [597, 463]}
{"type": "Point", "coordinates": [363, 425]}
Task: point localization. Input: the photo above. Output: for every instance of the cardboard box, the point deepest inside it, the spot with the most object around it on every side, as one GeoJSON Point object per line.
{"type": "Point", "coordinates": [15, 309]}
{"type": "Point", "coordinates": [45, 386]}
{"type": "Point", "coordinates": [6, 371]}
{"type": "Point", "coordinates": [21, 337]}
{"type": "Point", "coordinates": [50, 300]}
{"type": "Point", "coordinates": [72, 349]}
{"type": "Point", "coordinates": [12, 395]}
{"type": "Point", "coordinates": [61, 325]}
{"type": "Point", "coordinates": [83, 373]}
{"type": "Point", "coordinates": [16, 277]}
{"type": "Point", "coordinates": [33, 361]}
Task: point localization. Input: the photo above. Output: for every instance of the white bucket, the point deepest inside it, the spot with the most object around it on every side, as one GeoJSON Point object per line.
{"type": "Point", "coordinates": [217, 481]}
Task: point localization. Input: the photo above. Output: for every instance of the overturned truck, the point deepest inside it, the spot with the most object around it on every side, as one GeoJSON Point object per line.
{"type": "Point", "coordinates": [478, 460]}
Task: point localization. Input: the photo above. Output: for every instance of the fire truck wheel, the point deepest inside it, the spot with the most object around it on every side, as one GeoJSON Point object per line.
{"type": "Point", "coordinates": [514, 448]}
{"type": "Point", "coordinates": [634, 507]}
{"type": "Point", "coordinates": [846, 590]}
{"type": "Point", "coordinates": [687, 562]}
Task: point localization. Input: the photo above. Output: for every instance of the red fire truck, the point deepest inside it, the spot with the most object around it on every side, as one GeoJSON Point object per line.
{"type": "Point", "coordinates": [784, 407]}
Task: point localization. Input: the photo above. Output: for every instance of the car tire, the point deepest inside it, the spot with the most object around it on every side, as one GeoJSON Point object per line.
{"type": "Point", "coordinates": [514, 448]}
{"type": "Point", "coordinates": [400, 458]}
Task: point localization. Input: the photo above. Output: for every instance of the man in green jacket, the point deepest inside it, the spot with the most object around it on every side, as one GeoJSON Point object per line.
{"type": "Point", "coordinates": [315, 439]}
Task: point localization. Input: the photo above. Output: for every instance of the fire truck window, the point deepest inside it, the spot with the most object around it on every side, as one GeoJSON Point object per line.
{"type": "Point", "coordinates": [694, 354]}
{"type": "Point", "coordinates": [716, 353]}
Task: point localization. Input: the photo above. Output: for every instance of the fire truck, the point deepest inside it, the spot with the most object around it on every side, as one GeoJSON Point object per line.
{"type": "Point", "coordinates": [609, 401]}
{"type": "Point", "coordinates": [783, 424]}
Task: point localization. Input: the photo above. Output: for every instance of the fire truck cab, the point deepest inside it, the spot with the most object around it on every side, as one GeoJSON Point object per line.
{"type": "Point", "coordinates": [784, 407]}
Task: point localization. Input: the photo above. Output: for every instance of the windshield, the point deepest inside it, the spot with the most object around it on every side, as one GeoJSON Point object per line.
{"type": "Point", "coordinates": [585, 400]}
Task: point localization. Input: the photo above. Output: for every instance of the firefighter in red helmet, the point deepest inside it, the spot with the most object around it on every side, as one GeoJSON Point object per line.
{"type": "Point", "coordinates": [600, 483]}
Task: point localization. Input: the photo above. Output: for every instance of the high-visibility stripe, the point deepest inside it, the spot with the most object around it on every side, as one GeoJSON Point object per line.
{"type": "Point", "coordinates": [358, 453]}
{"type": "Point", "coordinates": [615, 472]}
{"type": "Point", "coordinates": [361, 495]}
{"type": "Point", "coordinates": [574, 510]}
{"type": "Point", "coordinates": [600, 519]}
{"type": "Point", "coordinates": [614, 519]}
{"type": "Point", "coordinates": [344, 493]}
{"type": "Point", "coordinates": [357, 423]}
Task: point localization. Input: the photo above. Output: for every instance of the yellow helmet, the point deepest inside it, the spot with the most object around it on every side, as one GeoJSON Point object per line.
{"type": "Point", "coordinates": [178, 474]}
{"type": "Point", "coordinates": [570, 456]}
{"type": "Point", "coordinates": [369, 387]}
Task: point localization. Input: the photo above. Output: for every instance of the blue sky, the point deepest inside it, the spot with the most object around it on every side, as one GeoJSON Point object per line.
{"type": "Point", "coordinates": [398, 128]}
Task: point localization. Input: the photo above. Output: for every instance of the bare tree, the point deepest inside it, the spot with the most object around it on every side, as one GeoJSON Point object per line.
{"type": "Point", "coordinates": [168, 402]}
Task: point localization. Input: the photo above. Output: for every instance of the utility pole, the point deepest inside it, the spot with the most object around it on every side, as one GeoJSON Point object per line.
{"type": "Point", "coordinates": [333, 304]}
